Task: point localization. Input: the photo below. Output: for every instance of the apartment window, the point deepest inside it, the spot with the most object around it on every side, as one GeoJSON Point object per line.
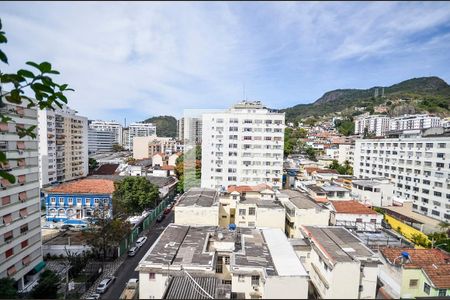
{"type": "Point", "coordinates": [6, 200]}
{"type": "Point", "coordinates": [24, 228]}
{"type": "Point", "coordinates": [426, 288]}
{"type": "Point", "coordinates": [24, 244]}
{"type": "Point", "coordinates": [442, 292]}
{"type": "Point", "coordinates": [8, 236]}
{"type": "Point", "coordinates": [251, 224]}
{"type": "Point", "coordinates": [242, 212]}
{"type": "Point", "coordinates": [88, 201]}
{"type": "Point", "coordinates": [23, 212]}
{"type": "Point", "coordinates": [241, 278]}
{"type": "Point", "coordinates": [7, 219]}
{"type": "Point", "coordinates": [413, 283]}
{"type": "Point", "coordinates": [255, 279]}
{"type": "Point", "coordinates": [9, 252]}
{"type": "Point", "coordinates": [251, 211]}
{"type": "Point", "coordinates": [358, 220]}
{"type": "Point", "coordinates": [439, 194]}
{"type": "Point", "coordinates": [52, 200]}
{"type": "Point", "coordinates": [151, 276]}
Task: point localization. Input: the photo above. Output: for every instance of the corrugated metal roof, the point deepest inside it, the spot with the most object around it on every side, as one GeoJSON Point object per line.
{"type": "Point", "coordinates": [183, 288]}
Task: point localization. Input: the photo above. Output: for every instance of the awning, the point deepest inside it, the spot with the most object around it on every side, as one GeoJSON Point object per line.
{"type": "Point", "coordinates": [39, 266]}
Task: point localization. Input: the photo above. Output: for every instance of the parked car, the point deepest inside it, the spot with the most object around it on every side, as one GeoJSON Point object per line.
{"type": "Point", "coordinates": [140, 241]}
{"type": "Point", "coordinates": [133, 251]}
{"type": "Point", "coordinates": [160, 218]}
{"type": "Point", "coordinates": [167, 210]}
{"type": "Point", "coordinates": [67, 227]}
{"type": "Point", "coordinates": [105, 284]}
{"type": "Point", "coordinates": [93, 297]}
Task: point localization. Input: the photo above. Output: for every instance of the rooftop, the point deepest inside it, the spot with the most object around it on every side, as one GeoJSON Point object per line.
{"type": "Point", "coordinates": [248, 188]}
{"type": "Point", "coordinates": [352, 207]}
{"type": "Point", "coordinates": [434, 262]}
{"type": "Point", "coordinates": [300, 200]}
{"type": "Point", "coordinates": [337, 243]}
{"type": "Point", "coordinates": [180, 287]}
{"type": "Point", "coordinates": [334, 188]}
{"type": "Point", "coordinates": [85, 186]}
{"type": "Point", "coordinates": [199, 197]}
{"type": "Point", "coordinates": [159, 181]}
{"type": "Point", "coordinates": [106, 169]}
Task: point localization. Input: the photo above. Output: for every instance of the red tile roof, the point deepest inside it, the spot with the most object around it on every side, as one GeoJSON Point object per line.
{"type": "Point", "coordinates": [352, 207]}
{"type": "Point", "coordinates": [85, 186]}
{"type": "Point", "coordinates": [434, 262]}
{"type": "Point", "coordinates": [326, 171]}
{"type": "Point", "coordinates": [166, 167]}
{"type": "Point", "coordinates": [248, 188]}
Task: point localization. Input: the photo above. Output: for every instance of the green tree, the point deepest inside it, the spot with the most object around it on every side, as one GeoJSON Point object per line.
{"type": "Point", "coordinates": [117, 148]}
{"type": "Point", "coordinates": [134, 194]}
{"type": "Point", "coordinates": [47, 95]}
{"type": "Point", "coordinates": [93, 164]}
{"type": "Point", "coordinates": [346, 127]}
{"type": "Point", "coordinates": [345, 169]}
{"type": "Point", "coordinates": [105, 233]}
{"type": "Point", "coordinates": [47, 287]}
{"type": "Point", "coordinates": [7, 288]}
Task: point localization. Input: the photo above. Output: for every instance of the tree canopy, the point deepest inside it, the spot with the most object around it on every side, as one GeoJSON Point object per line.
{"type": "Point", "coordinates": [47, 287]}
{"type": "Point", "coordinates": [7, 290]}
{"type": "Point", "coordinates": [134, 194]}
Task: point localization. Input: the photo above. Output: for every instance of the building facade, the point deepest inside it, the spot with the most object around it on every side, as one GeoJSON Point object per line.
{"type": "Point", "coordinates": [109, 126]}
{"type": "Point", "coordinates": [100, 141]}
{"type": "Point", "coordinates": [245, 146]}
{"type": "Point", "coordinates": [189, 130]}
{"type": "Point", "coordinates": [63, 145]}
{"type": "Point", "coordinates": [77, 201]}
{"type": "Point", "coordinates": [408, 122]}
{"type": "Point", "coordinates": [20, 223]}
{"type": "Point", "coordinates": [147, 146]}
{"type": "Point", "coordinates": [375, 124]}
{"type": "Point", "coordinates": [139, 130]}
{"type": "Point", "coordinates": [418, 166]}
{"type": "Point", "coordinates": [377, 192]}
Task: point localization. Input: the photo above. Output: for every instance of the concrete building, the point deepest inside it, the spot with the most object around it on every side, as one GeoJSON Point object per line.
{"type": "Point", "coordinates": [247, 263]}
{"type": "Point", "coordinates": [375, 192]}
{"type": "Point", "coordinates": [20, 225]}
{"type": "Point", "coordinates": [416, 164]}
{"type": "Point", "coordinates": [189, 130]}
{"type": "Point", "coordinates": [100, 141]}
{"type": "Point", "coordinates": [139, 130]}
{"type": "Point", "coordinates": [408, 122]}
{"type": "Point", "coordinates": [375, 124]}
{"type": "Point", "coordinates": [354, 215]}
{"type": "Point", "coordinates": [198, 207]}
{"type": "Point", "coordinates": [342, 267]}
{"type": "Point", "coordinates": [346, 152]}
{"type": "Point", "coordinates": [147, 146]}
{"type": "Point", "coordinates": [327, 192]}
{"type": "Point", "coordinates": [77, 201]}
{"type": "Point", "coordinates": [63, 145]}
{"type": "Point", "coordinates": [245, 146]}
{"type": "Point", "coordinates": [109, 126]}
{"type": "Point", "coordinates": [413, 273]}
{"type": "Point", "coordinates": [301, 210]}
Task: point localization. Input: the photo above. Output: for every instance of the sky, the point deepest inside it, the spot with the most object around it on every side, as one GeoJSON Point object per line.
{"type": "Point", "coordinates": [135, 60]}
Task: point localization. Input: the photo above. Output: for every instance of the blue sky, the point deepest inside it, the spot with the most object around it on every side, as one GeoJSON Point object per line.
{"type": "Point", "coordinates": [136, 60]}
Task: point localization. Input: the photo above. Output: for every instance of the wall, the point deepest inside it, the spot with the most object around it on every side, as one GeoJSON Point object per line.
{"type": "Point", "coordinates": [369, 281]}
{"type": "Point", "coordinates": [152, 288]}
{"type": "Point", "coordinates": [270, 217]}
{"type": "Point", "coordinates": [61, 249]}
{"type": "Point", "coordinates": [350, 219]}
{"type": "Point", "coordinates": [406, 230]}
{"type": "Point", "coordinates": [192, 215]}
{"type": "Point", "coordinates": [286, 287]}
{"type": "Point", "coordinates": [310, 217]}
{"type": "Point", "coordinates": [140, 146]}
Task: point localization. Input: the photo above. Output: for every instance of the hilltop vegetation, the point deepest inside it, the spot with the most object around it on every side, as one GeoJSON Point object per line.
{"type": "Point", "coordinates": [166, 126]}
{"type": "Point", "coordinates": [424, 94]}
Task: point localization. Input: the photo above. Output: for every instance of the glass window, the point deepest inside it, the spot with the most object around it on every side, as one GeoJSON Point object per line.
{"type": "Point", "coordinates": [426, 288]}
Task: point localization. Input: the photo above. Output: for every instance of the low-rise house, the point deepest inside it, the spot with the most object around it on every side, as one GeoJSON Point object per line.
{"type": "Point", "coordinates": [341, 266]}
{"type": "Point", "coordinates": [354, 215]}
{"type": "Point", "coordinates": [301, 209]}
{"type": "Point", "coordinates": [198, 206]}
{"type": "Point", "coordinates": [327, 192]}
{"type": "Point", "coordinates": [377, 192]}
{"type": "Point", "coordinates": [411, 273]}
{"type": "Point", "coordinates": [158, 159]}
{"type": "Point", "coordinates": [77, 201]}
{"type": "Point", "coordinates": [171, 161]}
{"type": "Point", "coordinates": [220, 264]}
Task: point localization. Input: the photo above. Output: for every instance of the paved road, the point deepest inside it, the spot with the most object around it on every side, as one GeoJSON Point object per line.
{"type": "Point", "coordinates": [127, 269]}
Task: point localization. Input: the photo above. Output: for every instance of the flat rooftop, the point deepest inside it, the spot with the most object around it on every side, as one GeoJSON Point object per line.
{"type": "Point", "coordinates": [368, 183]}
{"type": "Point", "coordinates": [334, 188]}
{"type": "Point", "coordinates": [199, 197]}
{"type": "Point", "coordinates": [262, 202]}
{"type": "Point", "coordinates": [338, 244]}
{"type": "Point", "coordinates": [196, 246]}
{"type": "Point", "coordinates": [301, 200]}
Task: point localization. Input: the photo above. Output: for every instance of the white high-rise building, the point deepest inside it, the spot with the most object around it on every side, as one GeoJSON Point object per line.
{"type": "Point", "coordinates": [63, 145]}
{"type": "Point", "coordinates": [20, 210]}
{"type": "Point", "coordinates": [408, 122]}
{"type": "Point", "coordinates": [139, 129]}
{"type": "Point", "coordinates": [375, 124]}
{"type": "Point", "coordinates": [418, 165]}
{"type": "Point", "coordinates": [100, 141]}
{"type": "Point", "coordinates": [190, 130]}
{"type": "Point", "coordinates": [111, 126]}
{"type": "Point", "coordinates": [242, 146]}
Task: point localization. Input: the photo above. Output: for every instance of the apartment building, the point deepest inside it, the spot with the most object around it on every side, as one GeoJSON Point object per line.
{"type": "Point", "coordinates": [226, 264]}
{"type": "Point", "coordinates": [189, 130]}
{"type": "Point", "coordinates": [301, 209]}
{"type": "Point", "coordinates": [408, 122]}
{"type": "Point", "coordinates": [242, 146]}
{"type": "Point", "coordinates": [341, 266]}
{"type": "Point", "coordinates": [377, 192]}
{"type": "Point", "coordinates": [20, 225]}
{"type": "Point", "coordinates": [100, 141]}
{"type": "Point", "coordinates": [109, 126]}
{"type": "Point", "coordinates": [346, 152]}
{"type": "Point", "coordinates": [418, 165]}
{"type": "Point", "coordinates": [375, 124]}
{"type": "Point", "coordinates": [63, 145]}
{"type": "Point", "coordinates": [413, 273]}
{"type": "Point", "coordinates": [138, 130]}
{"type": "Point", "coordinates": [354, 215]}
{"type": "Point", "coordinates": [147, 146]}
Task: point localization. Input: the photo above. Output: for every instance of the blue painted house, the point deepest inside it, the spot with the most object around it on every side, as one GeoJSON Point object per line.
{"type": "Point", "coordinates": [77, 201]}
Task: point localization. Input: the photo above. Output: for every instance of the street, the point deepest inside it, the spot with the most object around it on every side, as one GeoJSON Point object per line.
{"type": "Point", "coordinates": [127, 269]}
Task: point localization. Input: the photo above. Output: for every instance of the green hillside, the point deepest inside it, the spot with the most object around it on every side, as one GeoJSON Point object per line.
{"type": "Point", "coordinates": [166, 126]}
{"type": "Point", "coordinates": [424, 94]}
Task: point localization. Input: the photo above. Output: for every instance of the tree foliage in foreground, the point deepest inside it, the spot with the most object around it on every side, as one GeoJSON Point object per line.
{"type": "Point", "coordinates": [134, 194]}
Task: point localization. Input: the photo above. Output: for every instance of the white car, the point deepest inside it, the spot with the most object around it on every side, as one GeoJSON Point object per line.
{"type": "Point", "coordinates": [140, 241]}
{"type": "Point", "coordinates": [93, 297]}
{"type": "Point", "coordinates": [133, 251]}
{"type": "Point", "coordinates": [105, 284]}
